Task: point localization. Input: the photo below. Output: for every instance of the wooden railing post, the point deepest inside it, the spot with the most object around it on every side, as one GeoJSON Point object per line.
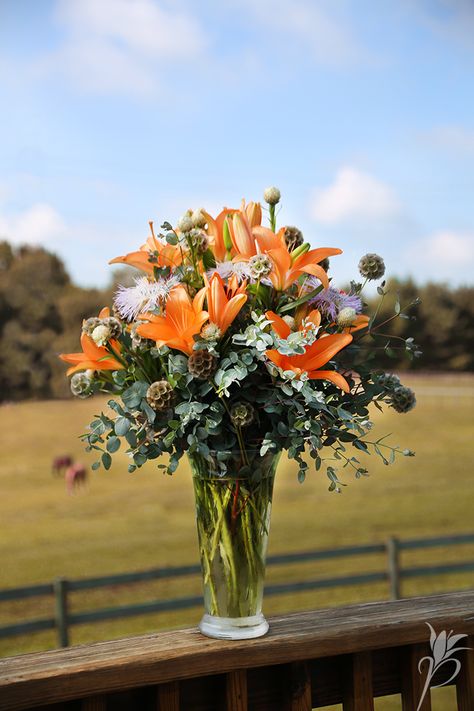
{"type": "Point", "coordinates": [236, 698]}
{"type": "Point", "coordinates": [393, 554]}
{"type": "Point", "coordinates": [60, 611]}
{"type": "Point", "coordinates": [359, 694]}
{"type": "Point", "coordinates": [413, 683]}
{"type": "Point", "coordinates": [168, 697]}
{"type": "Point", "coordinates": [299, 687]}
{"type": "Point", "coordinates": [465, 678]}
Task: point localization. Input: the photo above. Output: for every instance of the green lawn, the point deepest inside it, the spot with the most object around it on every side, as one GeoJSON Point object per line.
{"type": "Point", "coordinates": [124, 522]}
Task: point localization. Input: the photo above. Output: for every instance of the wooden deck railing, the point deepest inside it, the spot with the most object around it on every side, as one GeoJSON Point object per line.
{"type": "Point", "coordinates": [392, 572]}
{"type": "Point", "coordinates": [308, 660]}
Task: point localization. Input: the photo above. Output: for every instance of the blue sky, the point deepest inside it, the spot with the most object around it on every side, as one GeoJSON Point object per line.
{"type": "Point", "coordinates": [115, 112]}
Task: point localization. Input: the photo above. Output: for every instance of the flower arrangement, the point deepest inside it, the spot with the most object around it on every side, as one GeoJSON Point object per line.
{"type": "Point", "coordinates": [233, 346]}
{"type": "Point", "coordinates": [234, 337]}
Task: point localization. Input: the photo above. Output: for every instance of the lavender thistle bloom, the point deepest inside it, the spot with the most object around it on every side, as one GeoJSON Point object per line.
{"type": "Point", "coordinates": [330, 301]}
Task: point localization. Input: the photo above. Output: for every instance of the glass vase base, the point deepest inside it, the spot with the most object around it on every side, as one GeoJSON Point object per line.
{"type": "Point", "coordinates": [233, 627]}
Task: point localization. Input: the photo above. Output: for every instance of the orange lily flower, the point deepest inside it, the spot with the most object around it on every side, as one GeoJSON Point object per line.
{"type": "Point", "coordinates": [223, 307]}
{"type": "Point", "coordinates": [315, 355]}
{"type": "Point", "coordinates": [167, 255]}
{"type": "Point", "coordinates": [93, 357]}
{"type": "Point", "coordinates": [286, 270]}
{"type": "Point", "coordinates": [183, 319]}
{"type": "Point", "coordinates": [283, 330]}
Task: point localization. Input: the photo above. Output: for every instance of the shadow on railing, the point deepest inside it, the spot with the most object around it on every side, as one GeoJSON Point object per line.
{"type": "Point", "coordinates": [394, 574]}
{"type": "Point", "coordinates": [308, 660]}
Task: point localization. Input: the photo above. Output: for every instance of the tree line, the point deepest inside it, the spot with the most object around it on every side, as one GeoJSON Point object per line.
{"type": "Point", "coordinates": [41, 311]}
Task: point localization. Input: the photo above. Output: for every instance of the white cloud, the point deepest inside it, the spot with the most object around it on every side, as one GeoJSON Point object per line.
{"type": "Point", "coordinates": [354, 195]}
{"type": "Point", "coordinates": [453, 138]}
{"type": "Point", "coordinates": [121, 46]}
{"type": "Point", "coordinates": [40, 224]}
{"type": "Point", "coordinates": [448, 247]}
{"type": "Point", "coordinates": [318, 28]}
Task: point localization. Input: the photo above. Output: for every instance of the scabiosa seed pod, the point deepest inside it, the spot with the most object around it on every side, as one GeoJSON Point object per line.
{"type": "Point", "coordinates": [389, 380]}
{"type": "Point", "coordinates": [272, 195]}
{"type": "Point", "coordinates": [293, 237]}
{"type": "Point", "coordinates": [346, 317]}
{"type": "Point", "coordinates": [185, 223]}
{"type": "Point", "coordinates": [242, 414]}
{"type": "Point", "coordinates": [211, 332]}
{"type": "Point", "coordinates": [90, 324]}
{"type": "Point", "coordinates": [81, 385]}
{"type": "Point", "coordinates": [371, 266]}
{"type": "Point", "coordinates": [137, 340]}
{"type": "Point", "coordinates": [260, 266]}
{"type": "Point", "coordinates": [160, 395]}
{"type": "Point", "coordinates": [202, 364]}
{"type": "Point", "coordinates": [325, 264]}
{"type": "Point", "coordinates": [101, 334]}
{"type": "Point", "coordinates": [199, 240]}
{"type": "Point", "coordinates": [199, 218]}
{"type": "Point", "coordinates": [402, 399]}
{"type": "Point", "coordinates": [114, 326]}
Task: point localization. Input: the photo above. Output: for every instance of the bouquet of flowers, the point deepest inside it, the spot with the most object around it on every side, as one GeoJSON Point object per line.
{"type": "Point", "coordinates": [232, 346]}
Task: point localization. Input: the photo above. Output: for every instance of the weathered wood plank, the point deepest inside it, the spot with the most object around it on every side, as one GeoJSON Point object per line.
{"type": "Point", "coordinates": [465, 678]}
{"type": "Point", "coordinates": [299, 687]}
{"type": "Point", "coordinates": [106, 667]}
{"type": "Point", "coordinates": [236, 691]}
{"type": "Point", "coordinates": [359, 693]}
{"type": "Point", "coordinates": [168, 696]}
{"type": "Point", "coordinates": [413, 682]}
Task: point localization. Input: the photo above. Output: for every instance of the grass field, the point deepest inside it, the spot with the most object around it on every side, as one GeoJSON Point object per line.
{"type": "Point", "coordinates": [122, 522]}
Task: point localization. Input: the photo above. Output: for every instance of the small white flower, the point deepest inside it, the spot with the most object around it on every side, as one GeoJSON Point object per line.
{"type": "Point", "coordinates": [145, 295]}
{"type": "Point", "coordinates": [227, 269]}
{"type": "Point", "coordinates": [346, 316]}
{"type": "Point", "coordinates": [101, 334]}
{"type": "Point", "coordinates": [198, 217]}
{"type": "Point", "coordinates": [185, 223]}
{"type": "Point", "coordinates": [272, 195]}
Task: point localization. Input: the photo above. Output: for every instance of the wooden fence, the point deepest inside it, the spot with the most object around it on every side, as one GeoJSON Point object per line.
{"type": "Point", "coordinates": [394, 574]}
{"type": "Point", "coordinates": [309, 660]}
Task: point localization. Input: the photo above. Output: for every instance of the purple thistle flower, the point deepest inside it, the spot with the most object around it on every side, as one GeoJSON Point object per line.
{"type": "Point", "coordinates": [330, 301]}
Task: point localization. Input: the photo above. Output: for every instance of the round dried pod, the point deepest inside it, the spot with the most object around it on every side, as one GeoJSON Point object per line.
{"type": "Point", "coordinates": [372, 266]}
{"type": "Point", "coordinates": [260, 265]}
{"type": "Point", "coordinates": [90, 324]}
{"type": "Point", "coordinates": [114, 326]}
{"type": "Point", "coordinates": [160, 395]}
{"type": "Point", "coordinates": [242, 414]}
{"type": "Point", "coordinates": [403, 399]}
{"type": "Point", "coordinates": [202, 364]}
{"type": "Point", "coordinates": [211, 332]}
{"type": "Point", "coordinates": [293, 237]}
{"type": "Point", "coordinates": [325, 264]}
{"type": "Point", "coordinates": [389, 380]}
{"type": "Point", "coordinates": [199, 240]}
{"type": "Point", "coordinates": [81, 384]}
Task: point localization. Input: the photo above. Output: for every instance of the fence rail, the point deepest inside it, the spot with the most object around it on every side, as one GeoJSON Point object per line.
{"type": "Point", "coordinates": [394, 574]}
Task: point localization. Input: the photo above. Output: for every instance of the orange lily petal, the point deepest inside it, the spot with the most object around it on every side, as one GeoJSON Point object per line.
{"type": "Point", "coordinates": [280, 326]}
{"type": "Point", "coordinates": [331, 375]}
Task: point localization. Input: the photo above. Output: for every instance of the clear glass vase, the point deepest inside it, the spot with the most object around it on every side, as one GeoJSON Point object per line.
{"type": "Point", "coordinates": [233, 492]}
